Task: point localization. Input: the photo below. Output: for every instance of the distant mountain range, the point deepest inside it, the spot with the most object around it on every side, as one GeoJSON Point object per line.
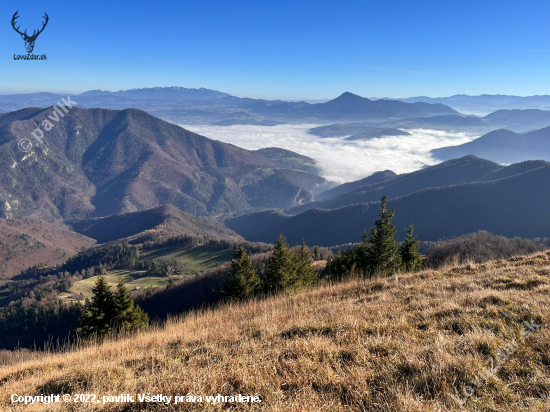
{"type": "Point", "coordinates": [485, 103]}
{"type": "Point", "coordinates": [174, 93]}
{"type": "Point", "coordinates": [511, 201]}
{"type": "Point", "coordinates": [123, 174]}
{"type": "Point", "coordinates": [347, 115]}
{"type": "Point", "coordinates": [502, 146]}
{"type": "Point", "coordinates": [464, 170]}
{"type": "Point", "coordinates": [99, 162]}
{"type": "Point", "coordinates": [204, 106]}
{"type": "Point", "coordinates": [520, 121]}
{"type": "Point", "coordinates": [353, 107]}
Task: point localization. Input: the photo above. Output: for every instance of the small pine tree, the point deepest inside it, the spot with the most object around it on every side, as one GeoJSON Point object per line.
{"type": "Point", "coordinates": [124, 304]}
{"type": "Point", "coordinates": [304, 272]}
{"type": "Point", "coordinates": [138, 319]}
{"type": "Point", "coordinates": [97, 315]}
{"type": "Point", "coordinates": [343, 264]}
{"type": "Point", "coordinates": [361, 254]}
{"type": "Point", "coordinates": [108, 312]}
{"type": "Point", "coordinates": [128, 317]}
{"type": "Point", "coordinates": [382, 254]}
{"type": "Point", "coordinates": [280, 272]}
{"type": "Point", "coordinates": [242, 279]}
{"type": "Point", "coordinates": [412, 261]}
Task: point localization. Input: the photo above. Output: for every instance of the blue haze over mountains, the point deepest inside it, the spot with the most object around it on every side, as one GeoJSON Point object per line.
{"type": "Point", "coordinates": [106, 161]}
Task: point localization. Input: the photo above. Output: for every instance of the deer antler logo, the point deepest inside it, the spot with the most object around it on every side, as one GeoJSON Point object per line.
{"type": "Point", "coordinates": [29, 40]}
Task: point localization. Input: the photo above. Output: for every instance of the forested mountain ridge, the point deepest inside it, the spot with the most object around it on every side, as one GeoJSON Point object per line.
{"type": "Point", "coordinates": [512, 204]}
{"type": "Point", "coordinates": [456, 171]}
{"type": "Point", "coordinates": [162, 222]}
{"type": "Point", "coordinates": [503, 146]}
{"type": "Point", "coordinates": [98, 162]}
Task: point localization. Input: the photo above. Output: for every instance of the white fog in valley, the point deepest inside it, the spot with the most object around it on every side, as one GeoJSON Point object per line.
{"type": "Point", "coordinates": [341, 160]}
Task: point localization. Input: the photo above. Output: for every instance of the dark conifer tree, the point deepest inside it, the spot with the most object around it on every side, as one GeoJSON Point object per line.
{"type": "Point", "coordinates": [344, 263]}
{"type": "Point", "coordinates": [124, 303]}
{"type": "Point", "coordinates": [242, 279]}
{"type": "Point", "coordinates": [360, 254]}
{"type": "Point", "coordinates": [97, 315]}
{"type": "Point", "coordinates": [138, 320]}
{"type": "Point", "coordinates": [108, 312]}
{"type": "Point", "coordinates": [129, 317]}
{"type": "Point", "coordinates": [304, 272]}
{"type": "Point", "coordinates": [280, 272]}
{"type": "Point", "coordinates": [411, 258]}
{"type": "Point", "coordinates": [382, 254]}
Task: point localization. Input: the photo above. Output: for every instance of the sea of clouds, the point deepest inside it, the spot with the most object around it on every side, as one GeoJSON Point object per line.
{"type": "Point", "coordinates": [341, 160]}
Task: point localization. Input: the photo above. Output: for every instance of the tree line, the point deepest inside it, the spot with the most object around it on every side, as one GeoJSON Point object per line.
{"type": "Point", "coordinates": [379, 253]}
{"type": "Point", "coordinates": [284, 269]}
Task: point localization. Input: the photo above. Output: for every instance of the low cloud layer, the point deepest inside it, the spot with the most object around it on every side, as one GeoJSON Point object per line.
{"type": "Point", "coordinates": [341, 160]}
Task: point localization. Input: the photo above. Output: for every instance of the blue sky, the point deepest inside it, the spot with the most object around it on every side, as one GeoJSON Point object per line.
{"type": "Point", "coordinates": [283, 49]}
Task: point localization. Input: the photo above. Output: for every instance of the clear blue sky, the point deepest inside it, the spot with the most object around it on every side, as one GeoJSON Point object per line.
{"type": "Point", "coordinates": [283, 49]}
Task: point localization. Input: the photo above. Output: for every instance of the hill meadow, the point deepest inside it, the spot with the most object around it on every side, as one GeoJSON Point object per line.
{"type": "Point", "coordinates": [412, 342]}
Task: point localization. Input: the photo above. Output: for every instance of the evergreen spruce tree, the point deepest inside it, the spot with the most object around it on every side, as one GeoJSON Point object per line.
{"type": "Point", "coordinates": [108, 312]}
{"type": "Point", "coordinates": [242, 280]}
{"type": "Point", "coordinates": [124, 306]}
{"type": "Point", "coordinates": [343, 264]}
{"type": "Point", "coordinates": [304, 272]}
{"type": "Point", "coordinates": [128, 317]}
{"type": "Point", "coordinates": [98, 314]}
{"type": "Point", "coordinates": [412, 261]}
{"type": "Point", "coordinates": [138, 319]}
{"type": "Point", "coordinates": [382, 255]}
{"type": "Point", "coordinates": [360, 254]}
{"type": "Point", "coordinates": [280, 271]}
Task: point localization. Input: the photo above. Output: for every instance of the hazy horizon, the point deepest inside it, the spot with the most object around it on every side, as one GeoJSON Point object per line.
{"type": "Point", "coordinates": [285, 50]}
{"type": "Point", "coordinates": [242, 95]}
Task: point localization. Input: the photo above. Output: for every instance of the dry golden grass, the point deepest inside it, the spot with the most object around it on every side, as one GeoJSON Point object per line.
{"type": "Point", "coordinates": [404, 343]}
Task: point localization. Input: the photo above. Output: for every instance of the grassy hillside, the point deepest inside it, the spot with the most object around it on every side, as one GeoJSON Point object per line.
{"type": "Point", "coordinates": [188, 259]}
{"type": "Point", "coordinates": [131, 278]}
{"type": "Point", "coordinates": [405, 343]}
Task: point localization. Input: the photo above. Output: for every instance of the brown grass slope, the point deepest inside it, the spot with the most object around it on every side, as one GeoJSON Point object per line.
{"type": "Point", "coordinates": [404, 343]}
{"type": "Point", "coordinates": [30, 241]}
